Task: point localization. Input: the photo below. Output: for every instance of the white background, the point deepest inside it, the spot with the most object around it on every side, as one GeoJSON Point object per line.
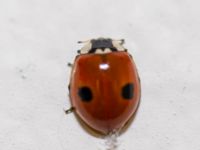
{"type": "Point", "coordinates": [38, 38]}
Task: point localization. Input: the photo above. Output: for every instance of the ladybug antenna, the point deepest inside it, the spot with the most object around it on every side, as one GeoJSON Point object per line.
{"type": "Point", "coordinates": [80, 42]}
{"type": "Point", "coordinates": [121, 41]}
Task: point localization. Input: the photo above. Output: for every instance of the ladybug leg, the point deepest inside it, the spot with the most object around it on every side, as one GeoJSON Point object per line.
{"type": "Point", "coordinates": [79, 51]}
{"type": "Point", "coordinates": [69, 64]}
{"type": "Point", "coordinates": [69, 87]}
{"type": "Point", "coordinates": [70, 110]}
{"type": "Point", "coordinates": [131, 56]}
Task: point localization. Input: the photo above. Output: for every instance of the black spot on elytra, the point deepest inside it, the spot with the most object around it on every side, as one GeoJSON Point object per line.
{"type": "Point", "coordinates": [85, 94]}
{"type": "Point", "coordinates": [127, 91]}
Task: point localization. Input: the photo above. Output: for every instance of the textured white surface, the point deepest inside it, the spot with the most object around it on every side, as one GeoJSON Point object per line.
{"type": "Point", "coordinates": [38, 38]}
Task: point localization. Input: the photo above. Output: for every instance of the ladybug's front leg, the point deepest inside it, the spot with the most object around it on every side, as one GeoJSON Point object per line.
{"type": "Point", "coordinates": [69, 64]}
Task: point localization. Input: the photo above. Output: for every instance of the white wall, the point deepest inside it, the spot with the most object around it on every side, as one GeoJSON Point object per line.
{"type": "Point", "coordinates": [38, 38]}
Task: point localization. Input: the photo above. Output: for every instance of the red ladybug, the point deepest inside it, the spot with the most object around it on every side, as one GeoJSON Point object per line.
{"type": "Point", "coordinates": [104, 86]}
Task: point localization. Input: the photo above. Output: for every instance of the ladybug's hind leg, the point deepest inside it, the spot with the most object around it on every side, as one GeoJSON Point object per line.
{"type": "Point", "coordinates": [70, 110]}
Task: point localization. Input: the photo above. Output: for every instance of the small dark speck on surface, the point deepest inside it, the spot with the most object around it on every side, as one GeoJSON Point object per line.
{"type": "Point", "coordinates": [21, 72]}
{"type": "Point", "coordinates": [12, 20]}
{"type": "Point", "coordinates": [174, 114]}
{"type": "Point", "coordinates": [183, 90]}
{"type": "Point", "coordinates": [23, 77]}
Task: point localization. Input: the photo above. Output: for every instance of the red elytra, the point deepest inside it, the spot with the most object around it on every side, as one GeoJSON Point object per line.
{"type": "Point", "coordinates": [105, 86]}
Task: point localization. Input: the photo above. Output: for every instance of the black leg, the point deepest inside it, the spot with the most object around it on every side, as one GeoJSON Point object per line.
{"type": "Point", "coordinates": [70, 110]}
{"type": "Point", "coordinates": [70, 65]}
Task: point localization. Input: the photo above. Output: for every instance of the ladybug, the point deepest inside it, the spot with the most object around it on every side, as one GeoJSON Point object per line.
{"type": "Point", "coordinates": [104, 86]}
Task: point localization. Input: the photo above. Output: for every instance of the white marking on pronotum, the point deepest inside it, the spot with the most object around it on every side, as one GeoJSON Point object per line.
{"type": "Point", "coordinates": [107, 50]}
{"type": "Point", "coordinates": [118, 44]}
{"type": "Point", "coordinates": [86, 48]}
{"type": "Point", "coordinates": [101, 51]}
